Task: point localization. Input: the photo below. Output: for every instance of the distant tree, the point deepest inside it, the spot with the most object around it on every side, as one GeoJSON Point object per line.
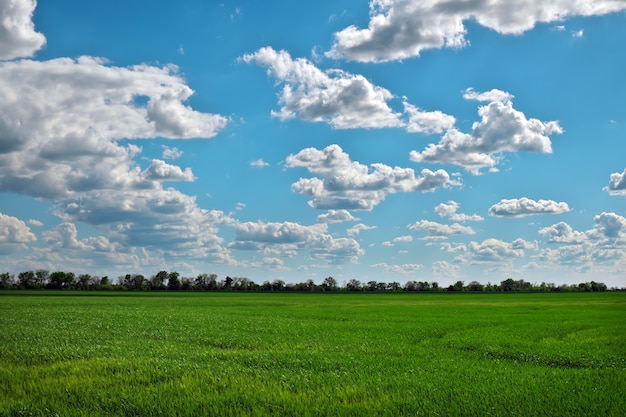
{"type": "Point", "coordinates": [458, 286]}
{"type": "Point", "coordinates": [173, 282]}
{"type": "Point", "coordinates": [157, 281]}
{"type": "Point", "coordinates": [507, 285]}
{"type": "Point", "coordinates": [186, 284]}
{"type": "Point", "coordinates": [206, 282]}
{"type": "Point", "coordinates": [394, 286]}
{"type": "Point", "coordinates": [278, 285]}
{"type": "Point", "coordinates": [434, 286]}
{"type": "Point", "coordinates": [6, 280]}
{"type": "Point", "coordinates": [354, 285]}
{"type": "Point", "coordinates": [82, 281]}
{"type": "Point", "coordinates": [329, 284]}
{"type": "Point", "coordinates": [475, 286]}
{"type": "Point", "coordinates": [61, 280]}
{"type": "Point", "coordinates": [41, 278]}
{"type": "Point", "coordinates": [26, 279]}
{"type": "Point", "coordinates": [227, 283]}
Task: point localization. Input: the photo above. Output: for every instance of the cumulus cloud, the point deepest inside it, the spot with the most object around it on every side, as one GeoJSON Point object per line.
{"type": "Point", "coordinates": [14, 234]}
{"type": "Point", "coordinates": [562, 233]}
{"type": "Point", "coordinates": [60, 122]}
{"type": "Point", "coordinates": [617, 183]}
{"type": "Point", "coordinates": [336, 216]}
{"type": "Point", "coordinates": [162, 171]}
{"type": "Point", "coordinates": [449, 210]}
{"type": "Point", "coordinates": [497, 251]}
{"type": "Point", "coordinates": [523, 207]}
{"type": "Point", "coordinates": [18, 37]}
{"type": "Point", "coordinates": [501, 129]}
{"type": "Point", "coordinates": [171, 152]}
{"type": "Point", "coordinates": [400, 29]}
{"type": "Point", "coordinates": [349, 185]}
{"type": "Point", "coordinates": [336, 97]}
{"type": "Point", "coordinates": [436, 230]}
{"type": "Point", "coordinates": [610, 225]}
{"type": "Point", "coordinates": [428, 122]}
{"type": "Point", "coordinates": [259, 163]}
{"type": "Point", "coordinates": [287, 238]}
{"type": "Point", "coordinates": [358, 228]}
{"type": "Point", "coordinates": [404, 269]}
{"type": "Point", "coordinates": [603, 245]}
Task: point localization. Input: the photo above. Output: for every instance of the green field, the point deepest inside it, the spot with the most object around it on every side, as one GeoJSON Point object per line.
{"type": "Point", "coordinates": [193, 354]}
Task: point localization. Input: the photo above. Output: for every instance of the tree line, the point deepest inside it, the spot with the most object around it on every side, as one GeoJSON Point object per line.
{"type": "Point", "coordinates": [172, 281]}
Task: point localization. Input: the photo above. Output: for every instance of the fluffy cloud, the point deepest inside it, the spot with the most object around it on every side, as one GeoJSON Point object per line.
{"type": "Point", "coordinates": [341, 99]}
{"type": "Point", "coordinates": [286, 238]}
{"type": "Point", "coordinates": [259, 163]}
{"type": "Point", "coordinates": [350, 185]}
{"type": "Point", "coordinates": [501, 129]}
{"type": "Point", "coordinates": [427, 122]}
{"type": "Point", "coordinates": [497, 251]}
{"type": "Point", "coordinates": [60, 121]}
{"type": "Point", "coordinates": [617, 183]}
{"type": "Point", "coordinates": [449, 210]}
{"type": "Point", "coordinates": [162, 171]}
{"type": "Point", "coordinates": [562, 233]}
{"type": "Point", "coordinates": [604, 244]}
{"type": "Point", "coordinates": [400, 29]}
{"type": "Point", "coordinates": [404, 269]}
{"type": "Point", "coordinates": [14, 234]}
{"type": "Point", "coordinates": [171, 153]}
{"type": "Point", "coordinates": [18, 38]}
{"type": "Point", "coordinates": [336, 216]}
{"type": "Point", "coordinates": [440, 231]}
{"type": "Point", "coordinates": [523, 207]}
{"type": "Point", "coordinates": [358, 228]}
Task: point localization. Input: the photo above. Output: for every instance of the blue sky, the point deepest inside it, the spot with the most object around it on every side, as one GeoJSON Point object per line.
{"type": "Point", "coordinates": [389, 140]}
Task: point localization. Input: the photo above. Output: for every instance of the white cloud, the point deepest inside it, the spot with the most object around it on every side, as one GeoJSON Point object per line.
{"type": "Point", "coordinates": [563, 233]}
{"type": "Point", "coordinates": [578, 33]}
{"type": "Point", "coordinates": [343, 100]}
{"type": "Point", "coordinates": [60, 122]}
{"type": "Point", "coordinates": [440, 231]}
{"type": "Point", "coordinates": [162, 171]}
{"type": "Point", "coordinates": [358, 228]}
{"type": "Point", "coordinates": [18, 38]}
{"type": "Point", "coordinates": [610, 225]}
{"type": "Point", "coordinates": [336, 216]}
{"type": "Point", "coordinates": [445, 269]}
{"type": "Point", "coordinates": [171, 153]}
{"type": "Point", "coordinates": [287, 238]}
{"type": "Point", "coordinates": [523, 207]}
{"type": "Point", "coordinates": [259, 163]}
{"type": "Point", "coordinates": [34, 222]}
{"type": "Point", "coordinates": [404, 269]}
{"type": "Point", "coordinates": [400, 29]}
{"type": "Point", "coordinates": [497, 251]}
{"type": "Point", "coordinates": [617, 184]}
{"type": "Point", "coordinates": [403, 239]}
{"type": "Point", "coordinates": [449, 210]}
{"type": "Point", "coordinates": [603, 245]}
{"type": "Point", "coordinates": [14, 234]}
{"type": "Point", "coordinates": [448, 247]}
{"type": "Point", "coordinates": [350, 185]}
{"type": "Point", "coordinates": [501, 129]}
{"type": "Point", "coordinates": [427, 122]}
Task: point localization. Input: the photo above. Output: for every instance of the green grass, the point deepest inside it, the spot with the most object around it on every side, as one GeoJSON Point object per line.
{"type": "Point", "coordinates": [190, 354]}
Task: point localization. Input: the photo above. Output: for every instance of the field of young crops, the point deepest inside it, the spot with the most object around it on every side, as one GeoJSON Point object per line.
{"type": "Point", "coordinates": [229, 354]}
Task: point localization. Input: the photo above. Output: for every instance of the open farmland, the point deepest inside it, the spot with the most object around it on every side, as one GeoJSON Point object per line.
{"type": "Point", "coordinates": [190, 354]}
